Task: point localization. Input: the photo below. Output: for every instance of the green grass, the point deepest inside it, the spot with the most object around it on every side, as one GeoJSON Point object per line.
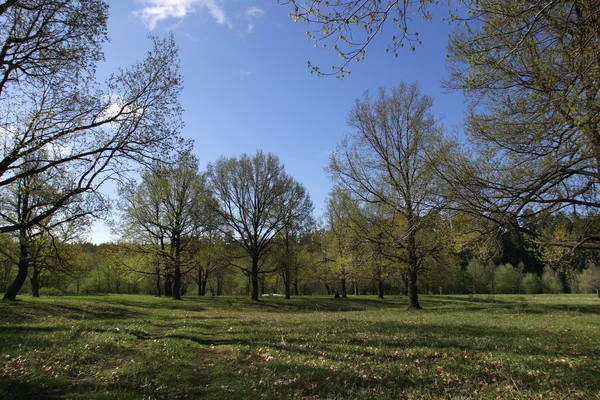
{"type": "Point", "coordinates": [140, 347]}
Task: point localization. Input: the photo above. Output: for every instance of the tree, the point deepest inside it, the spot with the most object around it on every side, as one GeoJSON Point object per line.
{"type": "Point", "coordinates": [297, 223]}
{"type": "Point", "coordinates": [532, 73]}
{"type": "Point", "coordinates": [8, 248]}
{"type": "Point", "coordinates": [480, 276]}
{"type": "Point", "coordinates": [386, 161]}
{"type": "Point", "coordinates": [164, 211]}
{"type": "Point", "coordinates": [210, 253]}
{"type": "Point", "coordinates": [257, 199]}
{"type": "Point", "coordinates": [56, 117]}
{"type": "Point", "coordinates": [42, 242]}
{"type": "Point", "coordinates": [58, 122]}
{"type": "Point", "coordinates": [341, 241]}
{"type": "Point", "coordinates": [349, 27]}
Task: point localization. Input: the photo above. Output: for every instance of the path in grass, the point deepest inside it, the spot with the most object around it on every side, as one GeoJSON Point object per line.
{"type": "Point", "coordinates": [134, 347]}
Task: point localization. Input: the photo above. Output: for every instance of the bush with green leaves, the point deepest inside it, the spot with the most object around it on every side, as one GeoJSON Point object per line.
{"type": "Point", "coordinates": [507, 279]}
{"type": "Point", "coordinates": [590, 279]}
{"type": "Point", "coordinates": [479, 276]}
{"type": "Point", "coordinates": [531, 284]}
{"type": "Point", "coordinates": [551, 282]}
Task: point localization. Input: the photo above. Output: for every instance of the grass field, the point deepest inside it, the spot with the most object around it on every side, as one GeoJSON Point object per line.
{"type": "Point", "coordinates": [141, 347]}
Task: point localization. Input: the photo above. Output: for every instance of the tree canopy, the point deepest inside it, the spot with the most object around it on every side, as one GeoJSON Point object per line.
{"type": "Point", "coordinates": [257, 200]}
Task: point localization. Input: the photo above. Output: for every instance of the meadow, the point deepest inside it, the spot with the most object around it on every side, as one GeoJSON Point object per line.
{"type": "Point", "coordinates": [143, 347]}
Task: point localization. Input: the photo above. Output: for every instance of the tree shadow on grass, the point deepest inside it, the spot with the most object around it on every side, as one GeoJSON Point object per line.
{"type": "Point", "coordinates": [20, 389]}
{"type": "Point", "coordinates": [36, 310]}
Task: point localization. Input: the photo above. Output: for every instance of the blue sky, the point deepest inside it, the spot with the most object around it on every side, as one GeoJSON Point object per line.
{"type": "Point", "coordinates": [247, 86]}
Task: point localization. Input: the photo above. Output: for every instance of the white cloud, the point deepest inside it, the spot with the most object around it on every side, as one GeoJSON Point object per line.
{"type": "Point", "coordinates": [154, 11]}
{"type": "Point", "coordinates": [255, 12]}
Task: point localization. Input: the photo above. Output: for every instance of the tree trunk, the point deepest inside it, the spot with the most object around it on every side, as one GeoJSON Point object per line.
{"type": "Point", "coordinates": [176, 247]}
{"type": "Point", "coordinates": [380, 291]}
{"type": "Point", "coordinates": [15, 287]}
{"type": "Point", "coordinates": [262, 281]}
{"type": "Point", "coordinates": [254, 277]}
{"type": "Point", "coordinates": [199, 281]}
{"type": "Point", "coordinates": [168, 285]}
{"type": "Point", "coordinates": [413, 298]}
{"type": "Point", "coordinates": [204, 283]}
{"type": "Point", "coordinates": [220, 278]}
{"type": "Point", "coordinates": [35, 282]}
{"type": "Point", "coordinates": [158, 288]}
{"type": "Point", "coordinates": [177, 283]}
{"type": "Point", "coordinates": [286, 276]}
{"type": "Point", "coordinates": [296, 291]}
{"type": "Point", "coordinates": [344, 291]}
{"type": "Point", "coordinates": [327, 289]}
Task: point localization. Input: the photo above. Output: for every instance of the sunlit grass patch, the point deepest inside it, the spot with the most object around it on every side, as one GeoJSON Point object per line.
{"type": "Point", "coordinates": [130, 347]}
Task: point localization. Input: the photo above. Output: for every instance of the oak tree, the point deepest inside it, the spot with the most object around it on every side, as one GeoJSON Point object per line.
{"type": "Point", "coordinates": [55, 115]}
{"type": "Point", "coordinates": [257, 199]}
{"type": "Point", "coordinates": [387, 162]}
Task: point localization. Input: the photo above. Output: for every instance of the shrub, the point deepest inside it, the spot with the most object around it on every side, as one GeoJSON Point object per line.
{"type": "Point", "coordinates": [507, 279]}
{"type": "Point", "coordinates": [551, 282]}
{"type": "Point", "coordinates": [532, 284]}
{"type": "Point", "coordinates": [479, 276]}
{"type": "Point", "coordinates": [590, 279]}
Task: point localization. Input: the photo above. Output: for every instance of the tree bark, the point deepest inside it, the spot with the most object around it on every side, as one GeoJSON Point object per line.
{"type": "Point", "coordinates": [35, 282]}
{"type": "Point", "coordinates": [261, 282]}
{"type": "Point", "coordinates": [158, 288]}
{"type": "Point", "coordinates": [380, 291]}
{"type": "Point", "coordinates": [254, 277]}
{"type": "Point", "coordinates": [288, 290]}
{"type": "Point", "coordinates": [413, 298]}
{"type": "Point", "coordinates": [344, 291]}
{"type": "Point", "coordinates": [199, 281]}
{"type": "Point", "coordinates": [15, 287]}
{"type": "Point", "coordinates": [204, 283]}
{"type": "Point", "coordinates": [220, 278]}
{"type": "Point", "coordinates": [168, 285]}
{"type": "Point", "coordinates": [177, 283]}
{"type": "Point", "coordinates": [176, 246]}
{"type": "Point", "coordinates": [286, 276]}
